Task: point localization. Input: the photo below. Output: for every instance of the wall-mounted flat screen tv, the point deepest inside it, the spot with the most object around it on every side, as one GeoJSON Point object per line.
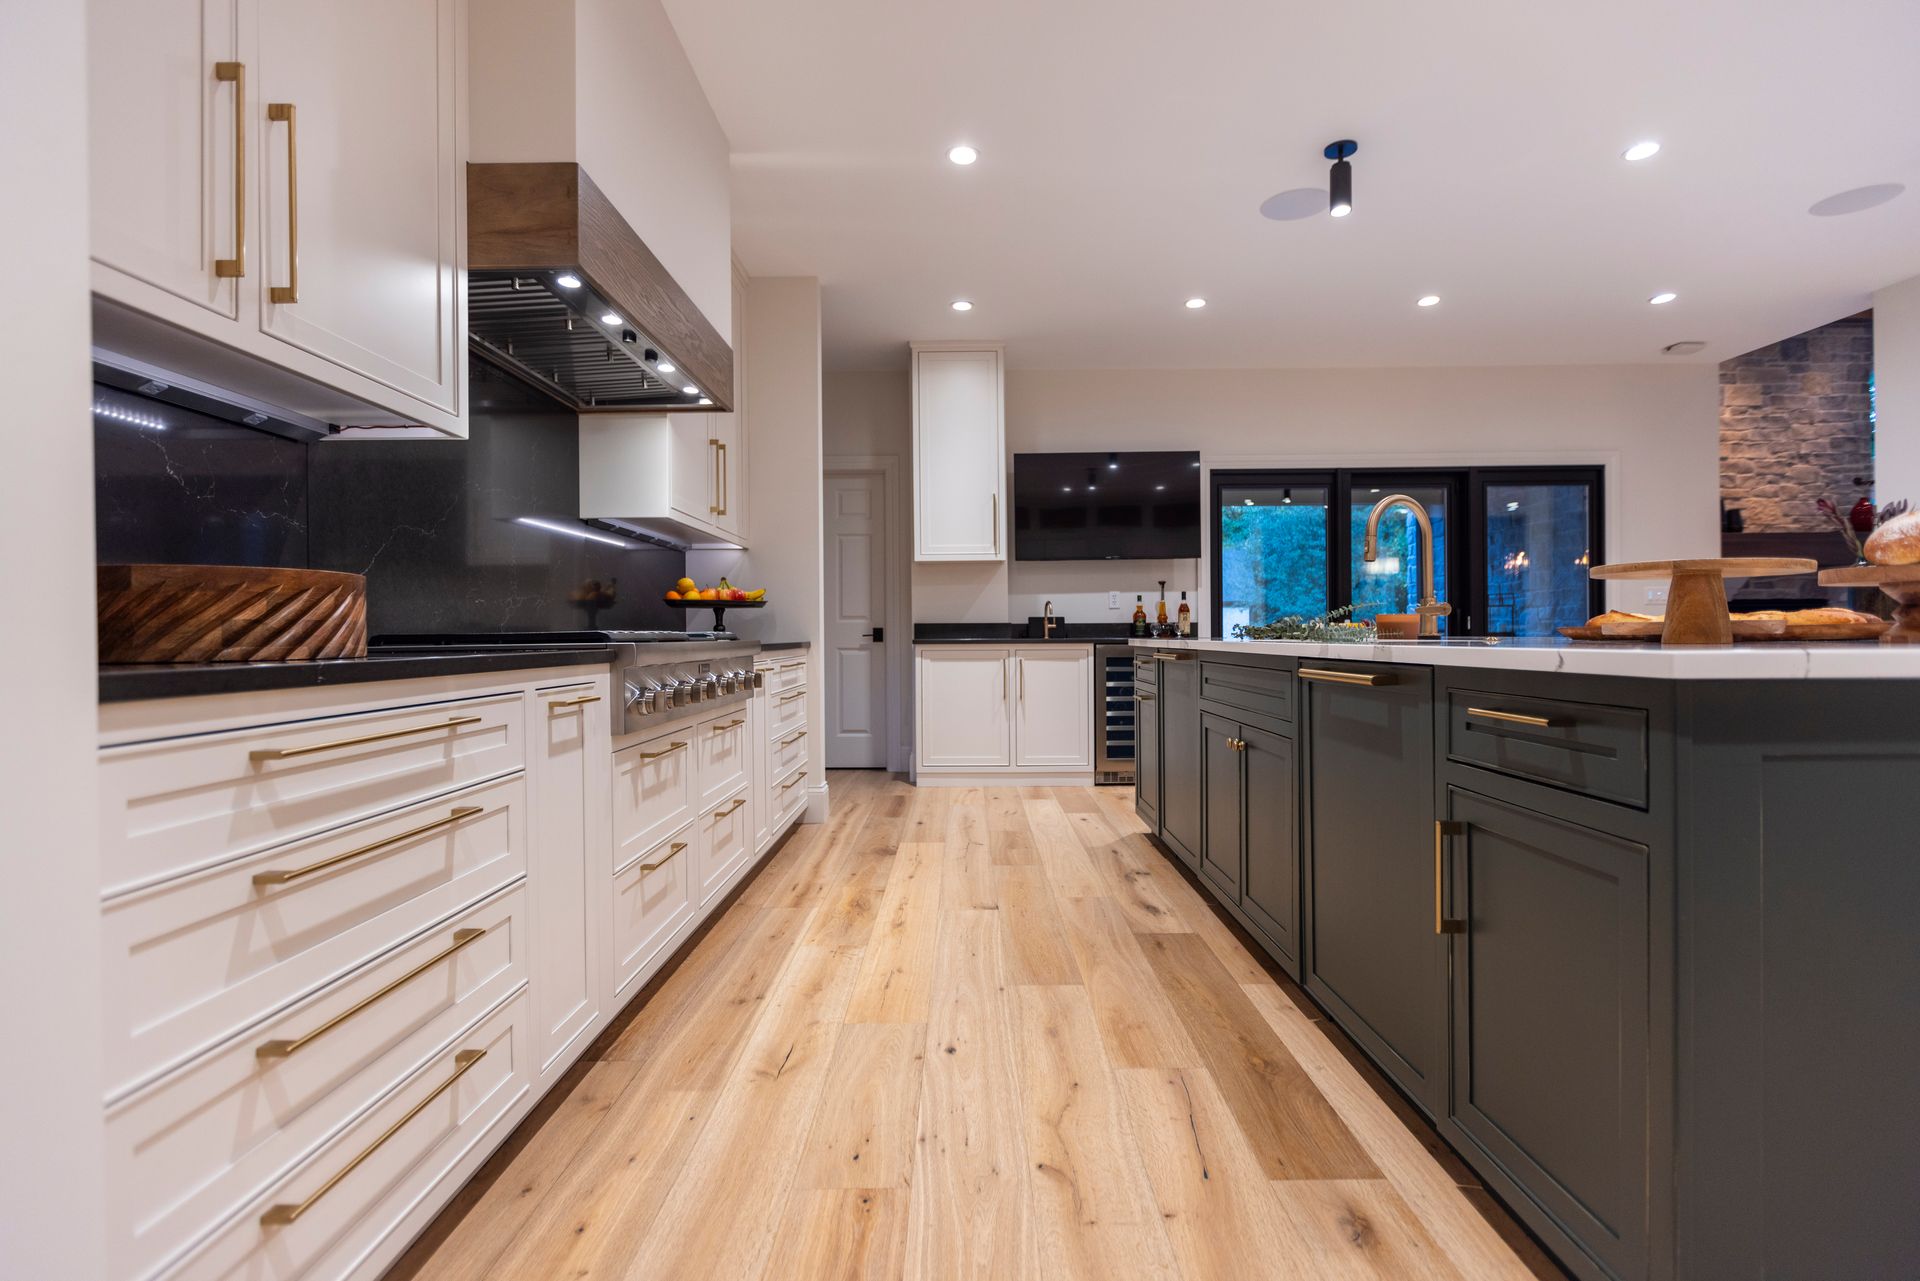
{"type": "Point", "coordinates": [1106, 506]}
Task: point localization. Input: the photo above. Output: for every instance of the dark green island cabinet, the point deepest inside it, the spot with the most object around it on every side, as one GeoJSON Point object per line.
{"type": "Point", "coordinates": [1643, 948]}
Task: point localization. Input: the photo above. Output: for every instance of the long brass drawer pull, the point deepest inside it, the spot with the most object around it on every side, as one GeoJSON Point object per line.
{"type": "Point", "coordinates": [1442, 923]}
{"type": "Point", "coordinates": [738, 801]}
{"type": "Point", "coordinates": [281, 1049]}
{"type": "Point", "coordinates": [290, 1212]}
{"type": "Point", "coordinates": [788, 698]}
{"type": "Point", "coordinates": [668, 750]}
{"type": "Point", "coordinates": [733, 724]}
{"type": "Point", "coordinates": [235, 73]}
{"type": "Point", "coordinates": [787, 667]}
{"type": "Point", "coordinates": [1512, 718]}
{"type": "Point", "coordinates": [288, 753]}
{"type": "Point", "coordinates": [793, 738]}
{"type": "Point", "coordinates": [581, 701]}
{"type": "Point", "coordinates": [658, 863]}
{"type": "Point", "coordinates": [1344, 678]}
{"type": "Point", "coordinates": [289, 292]}
{"type": "Point", "coordinates": [1172, 658]}
{"type": "Point", "coordinates": [789, 784]}
{"type": "Point", "coordinates": [1144, 698]}
{"type": "Point", "coordinates": [293, 874]}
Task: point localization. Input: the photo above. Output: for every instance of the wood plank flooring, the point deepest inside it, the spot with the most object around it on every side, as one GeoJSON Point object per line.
{"type": "Point", "coordinates": [981, 1034]}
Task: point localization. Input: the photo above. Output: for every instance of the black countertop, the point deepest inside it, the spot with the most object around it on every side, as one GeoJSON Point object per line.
{"type": "Point", "coordinates": [135, 681]}
{"type": "Point", "coordinates": [769, 646]}
{"type": "Point", "coordinates": [1010, 633]}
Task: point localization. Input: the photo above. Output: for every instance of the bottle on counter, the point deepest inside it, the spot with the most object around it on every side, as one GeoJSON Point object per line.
{"type": "Point", "coordinates": [1140, 615]}
{"type": "Point", "coordinates": [1185, 617]}
{"type": "Point", "coordinates": [1160, 627]}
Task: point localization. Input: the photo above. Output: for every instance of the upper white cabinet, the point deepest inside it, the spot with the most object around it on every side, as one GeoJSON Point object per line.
{"type": "Point", "coordinates": [661, 474]}
{"type": "Point", "coordinates": [278, 200]}
{"type": "Point", "coordinates": [959, 452]}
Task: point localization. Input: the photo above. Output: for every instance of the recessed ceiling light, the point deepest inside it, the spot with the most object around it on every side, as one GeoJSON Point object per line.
{"type": "Point", "coordinates": [1195, 304]}
{"type": "Point", "coordinates": [567, 280]}
{"type": "Point", "coordinates": [1641, 150]}
{"type": "Point", "coordinates": [1662, 299]}
{"type": "Point", "coordinates": [1159, 486]}
{"type": "Point", "coordinates": [1066, 489]}
{"type": "Point", "coordinates": [963, 155]}
{"type": "Point", "coordinates": [961, 304]}
{"type": "Point", "coordinates": [665, 367]}
{"type": "Point", "coordinates": [1430, 300]}
{"type": "Point", "coordinates": [691, 390]}
{"type": "Point", "coordinates": [611, 318]}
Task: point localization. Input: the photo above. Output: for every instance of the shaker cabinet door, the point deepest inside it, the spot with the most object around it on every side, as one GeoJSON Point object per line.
{"type": "Point", "coordinates": [1053, 707]}
{"type": "Point", "coordinates": [1223, 805]}
{"type": "Point", "coordinates": [1270, 893]}
{"type": "Point", "coordinates": [567, 867]}
{"type": "Point", "coordinates": [1180, 814]}
{"type": "Point", "coordinates": [1146, 757]}
{"type": "Point", "coordinates": [959, 456]}
{"type": "Point", "coordinates": [963, 708]}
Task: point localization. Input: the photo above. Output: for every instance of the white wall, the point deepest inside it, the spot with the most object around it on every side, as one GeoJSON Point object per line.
{"type": "Point", "coordinates": [782, 395]}
{"type": "Point", "coordinates": [1896, 379]}
{"type": "Point", "coordinates": [1655, 429]}
{"type": "Point", "coordinates": [50, 1188]}
{"type": "Point", "coordinates": [606, 83]}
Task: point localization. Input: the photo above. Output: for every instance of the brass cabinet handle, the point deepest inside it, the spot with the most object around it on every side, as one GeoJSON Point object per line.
{"type": "Point", "coordinates": [1345, 678]}
{"type": "Point", "coordinates": [789, 784]}
{"type": "Point", "coordinates": [726, 495]}
{"type": "Point", "coordinates": [289, 292]}
{"type": "Point", "coordinates": [1144, 698]}
{"type": "Point", "coordinates": [713, 451]}
{"type": "Point", "coordinates": [668, 750]}
{"type": "Point", "coordinates": [996, 521]}
{"type": "Point", "coordinates": [788, 698]}
{"type": "Point", "coordinates": [1019, 680]}
{"type": "Point", "coordinates": [288, 753]}
{"type": "Point", "coordinates": [290, 1212]}
{"type": "Point", "coordinates": [787, 667]}
{"type": "Point", "coordinates": [281, 877]}
{"type": "Point", "coordinates": [733, 724]}
{"type": "Point", "coordinates": [738, 801]}
{"type": "Point", "coordinates": [793, 738]}
{"type": "Point", "coordinates": [1442, 923]}
{"type": "Point", "coordinates": [281, 1049]}
{"type": "Point", "coordinates": [581, 701]}
{"type": "Point", "coordinates": [1512, 718]}
{"type": "Point", "coordinates": [672, 849]}
{"type": "Point", "coordinates": [236, 74]}
{"type": "Point", "coordinates": [1172, 658]}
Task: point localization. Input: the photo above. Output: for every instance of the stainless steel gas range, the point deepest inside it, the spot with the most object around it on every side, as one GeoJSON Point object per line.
{"type": "Point", "coordinates": [659, 677]}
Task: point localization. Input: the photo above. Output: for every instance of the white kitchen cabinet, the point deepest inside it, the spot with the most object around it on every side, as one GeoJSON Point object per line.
{"type": "Point", "coordinates": [962, 706]}
{"type": "Point", "coordinates": [278, 200]}
{"type": "Point", "coordinates": [567, 865]}
{"type": "Point", "coordinates": [959, 452]}
{"type": "Point", "coordinates": [727, 433]}
{"type": "Point", "coordinates": [664, 475]}
{"type": "Point", "coordinates": [1053, 707]}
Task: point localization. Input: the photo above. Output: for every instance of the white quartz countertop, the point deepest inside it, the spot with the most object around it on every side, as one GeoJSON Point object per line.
{"type": "Point", "coordinates": [1758, 662]}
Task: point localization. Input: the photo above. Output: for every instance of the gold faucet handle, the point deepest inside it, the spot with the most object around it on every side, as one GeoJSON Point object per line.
{"type": "Point", "coordinates": [1439, 609]}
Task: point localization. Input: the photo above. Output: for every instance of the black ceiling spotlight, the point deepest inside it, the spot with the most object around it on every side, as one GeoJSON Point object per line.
{"type": "Point", "coordinates": [1340, 180]}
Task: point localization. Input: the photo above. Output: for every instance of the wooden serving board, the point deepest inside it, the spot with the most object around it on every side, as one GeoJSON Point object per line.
{"type": "Point", "coordinates": [1743, 629]}
{"type": "Point", "coordinates": [1764, 629]}
{"type": "Point", "coordinates": [228, 614]}
{"type": "Point", "coordinates": [1831, 631]}
{"type": "Point", "coordinates": [1697, 591]}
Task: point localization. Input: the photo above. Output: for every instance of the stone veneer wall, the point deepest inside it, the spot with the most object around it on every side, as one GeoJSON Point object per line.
{"type": "Point", "coordinates": [1795, 426]}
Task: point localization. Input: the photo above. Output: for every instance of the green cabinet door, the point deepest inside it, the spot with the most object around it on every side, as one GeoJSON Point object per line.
{"type": "Point", "coordinates": [1180, 817]}
{"type": "Point", "coordinates": [1223, 805]}
{"type": "Point", "coordinates": [1371, 955]}
{"type": "Point", "coordinates": [1551, 1007]}
{"type": "Point", "coordinates": [1146, 758]}
{"type": "Point", "coordinates": [1270, 890]}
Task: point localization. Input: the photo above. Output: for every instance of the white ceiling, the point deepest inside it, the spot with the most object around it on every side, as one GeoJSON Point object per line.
{"type": "Point", "coordinates": [1126, 146]}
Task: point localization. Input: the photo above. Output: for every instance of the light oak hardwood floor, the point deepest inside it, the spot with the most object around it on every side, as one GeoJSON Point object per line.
{"type": "Point", "coordinates": [984, 1033]}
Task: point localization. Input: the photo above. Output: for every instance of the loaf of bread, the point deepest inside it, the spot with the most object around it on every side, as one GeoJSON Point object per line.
{"type": "Point", "coordinates": [1763, 616]}
{"type": "Point", "coordinates": [1897, 542]}
{"type": "Point", "coordinates": [1621, 616]}
{"type": "Point", "coordinates": [1823, 617]}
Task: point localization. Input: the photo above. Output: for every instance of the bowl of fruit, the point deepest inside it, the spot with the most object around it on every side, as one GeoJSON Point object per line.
{"type": "Point", "coordinates": [687, 594]}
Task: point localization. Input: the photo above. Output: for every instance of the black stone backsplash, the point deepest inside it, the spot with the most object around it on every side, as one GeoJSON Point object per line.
{"type": "Point", "coordinates": [431, 523]}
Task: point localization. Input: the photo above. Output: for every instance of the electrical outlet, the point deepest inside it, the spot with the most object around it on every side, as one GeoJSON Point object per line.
{"type": "Point", "coordinates": [1656, 595]}
{"type": "Point", "coordinates": [1113, 600]}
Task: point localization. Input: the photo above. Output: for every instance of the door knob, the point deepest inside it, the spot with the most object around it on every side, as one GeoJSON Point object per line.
{"type": "Point", "coordinates": [878, 634]}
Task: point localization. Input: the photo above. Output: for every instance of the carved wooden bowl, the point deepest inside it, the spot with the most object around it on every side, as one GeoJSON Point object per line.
{"type": "Point", "coordinates": [229, 614]}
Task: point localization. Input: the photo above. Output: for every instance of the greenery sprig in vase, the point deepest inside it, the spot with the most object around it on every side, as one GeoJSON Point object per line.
{"type": "Point", "coordinates": [1336, 626]}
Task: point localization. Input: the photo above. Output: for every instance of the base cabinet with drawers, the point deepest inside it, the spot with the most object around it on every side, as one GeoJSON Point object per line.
{"type": "Point", "coordinates": [1605, 932]}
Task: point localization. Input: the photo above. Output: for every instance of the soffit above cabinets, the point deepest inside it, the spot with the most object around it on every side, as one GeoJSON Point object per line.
{"type": "Point", "coordinates": [530, 225]}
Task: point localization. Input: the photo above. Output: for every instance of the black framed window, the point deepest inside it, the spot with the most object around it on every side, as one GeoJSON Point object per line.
{"type": "Point", "coordinates": [1511, 545]}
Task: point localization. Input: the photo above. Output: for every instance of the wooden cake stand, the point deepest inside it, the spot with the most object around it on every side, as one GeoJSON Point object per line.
{"type": "Point", "coordinates": [1902, 582]}
{"type": "Point", "coordinates": [1697, 611]}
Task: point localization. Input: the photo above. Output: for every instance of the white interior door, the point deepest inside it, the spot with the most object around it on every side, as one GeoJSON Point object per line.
{"type": "Point", "coordinates": [856, 667]}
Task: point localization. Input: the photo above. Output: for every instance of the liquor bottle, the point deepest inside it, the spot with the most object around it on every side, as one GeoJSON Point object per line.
{"type": "Point", "coordinates": [1162, 619]}
{"type": "Point", "coordinates": [1140, 615]}
{"type": "Point", "coordinates": [1185, 616]}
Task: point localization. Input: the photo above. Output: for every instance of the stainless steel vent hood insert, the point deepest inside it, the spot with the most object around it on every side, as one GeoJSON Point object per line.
{"type": "Point", "coordinates": [565, 295]}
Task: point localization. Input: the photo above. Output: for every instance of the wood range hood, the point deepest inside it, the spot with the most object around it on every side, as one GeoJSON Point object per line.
{"type": "Point", "coordinates": [549, 261]}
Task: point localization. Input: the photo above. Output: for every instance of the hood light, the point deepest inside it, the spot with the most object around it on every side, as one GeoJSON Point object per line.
{"type": "Point", "coordinates": [567, 280]}
{"type": "Point", "coordinates": [611, 318]}
{"type": "Point", "coordinates": [665, 366]}
{"type": "Point", "coordinates": [573, 531]}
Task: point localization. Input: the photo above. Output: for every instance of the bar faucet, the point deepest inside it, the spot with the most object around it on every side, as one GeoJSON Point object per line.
{"type": "Point", "coordinates": [1046, 621]}
{"type": "Point", "coordinates": [1430, 609]}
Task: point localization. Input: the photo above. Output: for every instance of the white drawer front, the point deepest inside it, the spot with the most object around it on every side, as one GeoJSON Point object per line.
{"type": "Point", "coordinates": [788, 752]}
{"type": "Point", "coordinates": [723, 838]}
{"type": "Point", "coordinates": [789, 797]}
{"type": "Point", "coordinates": [177, 805]}
{"type": "Point", "coordinates": [396, 1154]}
{"type": "Point", "coordinates": [785, 674]}
{"type": "Point", "coordinates": [189, 962]}
{"type": "Point", "coordinates": [786, 713]}
{"type": "Point", "coordinates": [724, 750]}
{"type": "Point", "coordinates": [652, 899]}
{"type": "Point", "coordinates": [184, 1153]}
{"type": "Point", "coordinates": [653, 792]}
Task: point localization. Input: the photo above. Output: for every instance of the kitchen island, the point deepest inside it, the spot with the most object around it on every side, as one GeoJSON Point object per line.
{"type": "Point", "coordinates": [1633, 925]}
